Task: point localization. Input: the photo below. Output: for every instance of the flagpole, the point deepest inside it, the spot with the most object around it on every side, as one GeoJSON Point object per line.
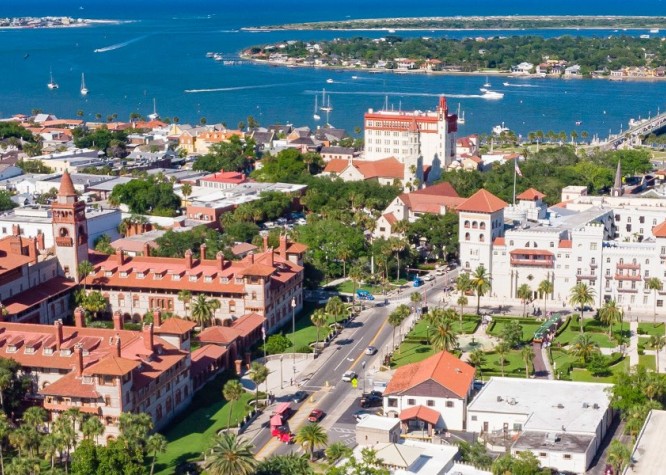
{"type": "Point", "coordinates": [515, 170]}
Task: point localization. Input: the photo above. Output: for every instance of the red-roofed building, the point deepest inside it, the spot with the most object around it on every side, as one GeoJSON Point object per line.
{"type": "Point", "coordinates": [385, 171]}
{"type": "Point", "coordinates": [442, 384]}
{"type": "Point", "coordinates": [223, 180]}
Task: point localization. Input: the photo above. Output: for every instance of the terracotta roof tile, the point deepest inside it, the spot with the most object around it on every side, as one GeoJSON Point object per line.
{"type": "Point", "coordinates": [242, 248]}
{"type": "Point", "coordinates": [248, 323]}
{"type": "Point", "coordinates": [659, 230]}
{"type": "Point", "coordinates": [531, 252]}
{"type": "Point", "coordinates": [531, 194]}
{"type": "Point", "coordinates": [565, 244]}
{"type": "Point", "coordinates": [432, 198]}
{"type": "Point", "coordinates": [422, 413]}
{"type": "Point", "coordinates": [391, 218]}
{"type": "Point", "coordinates": [499, 241]}
{"type": "Point", "coordinates": [337, 165]}
{"type": "Point", "coordinates": [113, 366]}
{"type": "Point", "coordinates": [482, 202]}
{"type": "Point", "coordinates": [218, 335]}
{"type": "Point", "coordinates": [66, 185]}
{"type": "Point", "coordinates": [385, 168]}
{"type": "Point", "coordinates": [443, 368]}
{"type": "Point", "coordinates": [175, 326]}
{"type": "Point", "coordinates": [70, 385]}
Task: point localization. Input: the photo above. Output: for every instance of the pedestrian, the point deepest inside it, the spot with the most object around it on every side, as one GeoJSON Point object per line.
{"type": "Point", "coordinates": [291, 381]}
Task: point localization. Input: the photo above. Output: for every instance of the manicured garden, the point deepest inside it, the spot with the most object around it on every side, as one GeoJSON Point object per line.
{"type": "Point", "coordinates": [190, 434]}
{"type": "Point", "coordinates": [514, 365]}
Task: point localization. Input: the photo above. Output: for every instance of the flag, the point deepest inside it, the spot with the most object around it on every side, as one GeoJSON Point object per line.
{"type": "Point", "coordinates": [520, 174]}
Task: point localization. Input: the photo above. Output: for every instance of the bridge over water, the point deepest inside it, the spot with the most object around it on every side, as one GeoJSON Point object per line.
{"type": "Point", "coordinates": [635, 134]}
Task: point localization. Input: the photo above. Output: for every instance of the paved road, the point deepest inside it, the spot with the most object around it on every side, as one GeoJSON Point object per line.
{"type": "Point", "coordinates": [339, 399]}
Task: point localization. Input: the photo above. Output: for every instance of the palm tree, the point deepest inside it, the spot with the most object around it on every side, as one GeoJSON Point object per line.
{"type": "Point", "coordinates": [135, 427]}
{"type": "Point", "coordinates": [356, 275]}
{"type": "Point", "coordinates": [6, 380]}
{"type": "Point", "coordinates": [85, 269]}
{"type": "Point", "coordinates": [337, 451]}
{"type": "Point", "coordinates": [395, 318]}
{"type": "Point", "coordinates": [310, 437]}
{"type": "Point", "coordinates": [581, 296]}
{"type": "Point", "coordinates": [657, 342]}
{"type": "Point", "coordinates": [444, 336]}
{"type": "Point", "coordinates": [463, 283]}
{"type": "Point", "coordinates": [35, 417]}
{"type": "Point", "coordinates": [619, 455]}
{"type": "Point", "coordinates": [502, 349]}
{"type": "Point", "coordinates": [92, 428]}
{"type": "Point", "coordinates": [416, 298]}
{"type": "Point", "coordinates": [527, 354]}
{"type": "Point", "coordinates": [545, 288]}
{"type": "Point", "coordinates": [258, 374]}
{"type": "Point", "coordinates": [610, 314]}
{"type": "Point", "coordinates": [654, 284]}
{"type": "Point", "coordinates": [156, 444]}
{"type": "Point", "coordinates": [397, 245]}
{"type": "Point", "coordinates": [203, 310]}
{"type": "Point", "coordinates": [584, 348]}
{"type": "Point", "coordinates": [476, 358]}
{"type": "Point", "coordinates": [50, 447]}
{"type": "Point", "coordinates": [185, 296]}
{"type": "Point", "coordinates": [230, 455]}
{"type": "Point", "coordinates": [318, 319]}
{"type": "Point", "coordinates": [524, 294]}
{"type": "Point", "coordinates": [462, 301]}
{"type": "Point", "coordinates": [335, 307]}
{"type": "Point", "coordinates": [480, 282]}
{"type": "Point", "coordinates": [232, 392]}
{"type": "Point", "coordinates": [4, 432]}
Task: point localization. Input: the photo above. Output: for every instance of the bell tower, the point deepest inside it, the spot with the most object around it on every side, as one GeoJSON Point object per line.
{"type": "Point", "coordinates": [70, 229]}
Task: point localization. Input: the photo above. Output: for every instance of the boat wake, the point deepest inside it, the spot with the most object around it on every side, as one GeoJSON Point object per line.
{"type": "Point", "coordinates": [119, 45]}
{"type": "Point", "coordinates": [396, 93]}
{"type": "Point", "coordinates": [241, 88]}
{"type": "Point", "coordinates": [508, 84]}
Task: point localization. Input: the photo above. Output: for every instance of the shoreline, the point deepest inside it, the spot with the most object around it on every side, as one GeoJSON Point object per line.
{"type": "Point", "coordinates": [85, 22]}
{"type": "Point", "coordinates": [573, 28]}
{"type": "Point", "coordinates": [506, 75]}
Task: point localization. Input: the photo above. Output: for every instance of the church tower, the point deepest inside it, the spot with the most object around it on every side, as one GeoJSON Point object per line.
{"type": "Point", "coordinates": [413, 163]}
{"type": "Point", "coordinates": [617, 189]}
{"type": "Point", "coordinates": [70, 229]}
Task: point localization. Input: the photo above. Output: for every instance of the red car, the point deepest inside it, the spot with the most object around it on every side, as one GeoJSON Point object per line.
{"type": "Point", "coordinates": [283, 433]}
{"type": "Point", "coordinates": [316, 415]}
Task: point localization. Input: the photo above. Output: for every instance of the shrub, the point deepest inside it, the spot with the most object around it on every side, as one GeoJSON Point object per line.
{"type": "Point", "coordinates": [598, 365]}
{"type": "Point", "coordinates": [304, 349]}
{"type": "Point", "coordinates": [277, 343]}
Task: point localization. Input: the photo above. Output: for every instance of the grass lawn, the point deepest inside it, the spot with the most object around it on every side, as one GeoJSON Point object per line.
{"type": "Point", "coordinates": [306, 332]}
{"type": "Point", "coordinates": [584, 375]}
{"type": "Point", "coordinates": [647, 361]}
{"type": "Point", "coordinates": [193, 433]}
{"type": "Point", "coordinates": [644, 343]}
{"type": "Point", "coordinates": [514, 365]}
{"type": "Point", "coordinates": [528, 329]}
{"type": "Point", "coordinates": [348, 287]}
{"type": "Point", "coordinates": [598, 333]}
{"type": "Point", "coordinates": [650, 329]}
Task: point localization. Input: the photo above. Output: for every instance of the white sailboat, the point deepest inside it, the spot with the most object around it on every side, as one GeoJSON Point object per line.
{"type": "Point", "coordinates": [52, 84]}
{"type": "Point", "coordinates": [487, 83]}
{"type": "Point", "coordinates": [461, 118]}
{"type": "Point", "coordinates": [84, 89]}
{"type": "Point", "coordinates": [316, 116]}
{"type": "Point", "coordinates": [326, 104]}
{"type": "Point", "coordinates": [154, 115]}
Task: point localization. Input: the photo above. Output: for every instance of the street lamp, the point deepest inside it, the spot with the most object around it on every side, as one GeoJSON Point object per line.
{"type": "Point", "coordinates": [293, 333]}
{"type": "Point", "coordinates": [281, 377]}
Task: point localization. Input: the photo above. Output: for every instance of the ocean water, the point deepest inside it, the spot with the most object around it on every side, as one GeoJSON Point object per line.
{"type": "Point", "coordinates": [158, 52]}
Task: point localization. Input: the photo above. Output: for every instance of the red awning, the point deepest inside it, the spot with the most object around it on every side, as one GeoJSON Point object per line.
{"type": "Point", "coordinates": [532, 252]}
{"type": "Point", "coordinates": [276, 421]}
{"type": "Point", "coordinates": [282, 407]}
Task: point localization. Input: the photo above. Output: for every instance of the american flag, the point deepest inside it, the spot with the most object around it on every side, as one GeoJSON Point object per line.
{"type": "Point", "coordinates": [520, 174]}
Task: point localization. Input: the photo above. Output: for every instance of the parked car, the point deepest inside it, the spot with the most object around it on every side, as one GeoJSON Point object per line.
{"type": "Point", "coordinates": [417, 282]}
{"type": "Point", "coordinates": [316, 415]}
{"type": "Point", "coordinates": [429, 277]}
{"type": "Point", "coordinates": [364, 295]}
{"type": "Point", "coordinates": [299, 396]}
{"type": "Point", "coordinates": [371, 400]}
{"type": "Point", "coordinates": [440, 271]}
{"type": "Point", "coordinates": [360, 415]}
{"type": "Point", "coordinates": [283, 433]}
{"type": "Point", "coordinates": [370, 350]}
{"type": "Point", "coordinates": [348, 376]}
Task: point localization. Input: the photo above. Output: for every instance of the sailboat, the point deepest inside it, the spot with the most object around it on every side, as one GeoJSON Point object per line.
{"type": "Point", "coordinates": [52, 84]}
{"type": "Point", "coordinates": [316, 116]}
{"type": "Point", "coordinates": [154, 115]}
{"type": "Point", "coordinates": [461, 118]}
{"type": "Point", "coordinates": [487, 83]}
{"type": "Point", "coordinates": [84, 89]}
{"type": "Point", "coordinates": [326, 107]}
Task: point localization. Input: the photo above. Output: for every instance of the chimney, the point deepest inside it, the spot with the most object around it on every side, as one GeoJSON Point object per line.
{"type": "Point", "coordinates": [283, 247]}
{"type": "Point", "coordinates": [79, 317]}
{"type": "Point", "coordinates": [33, 250]}
{"type": "Point", "coordinates": [40, 241]}
{"type": "Point", "coordinates": [220, 260]}
{"type": "Point", "coordinates": [202, 252]}
{"type": "Point", "coordinates": [157, 318]}
{"type": "Point", "coordinates": [117, 346]}
{"type": "Point", "coordinates": [146, 249]}
{"type": "Point", "coordinates": [58, 326]}
{"type": "Point", "coordinates": [117, 320]}
{"type": "Point", "coordinates": [121, 256]}
{"type": "Point", "coordinates": [148, 336]}
{"type": "Point", "coordinates": [188, 259]}
{"type": "Point", "coordinates": [16, 230]}
{"type": "Point", "coordinates": [265, 242]}
{"type": "Point", "coordinates": [78, 354]}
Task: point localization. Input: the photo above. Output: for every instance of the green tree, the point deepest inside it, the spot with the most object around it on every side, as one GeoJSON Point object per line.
{"type": "Point", "coordinates": [525, 463]}
{"type": "Point", "coordinates": [258, 374]}
{"type": "Point", "coordinates": [50, 448]}
{"type": "Point", "coordinates": [609, 315]}
{"type": "Point", "coordinates": [335, 307]}
{"type": "Point", "coordinates": [369, 464]}
{"type": "Point", "coordinates": [103, 245]}
{"type": "Point", "coordinates": [85, 269]}
{"type": "Point", "coordinates": [512, 333]}
{"type": "Point", "coordinates": [232, 155]}
{"type": "Point", "coordinates": [502, 350]}
{"type": "Point", "coordinates": [657, 342]}
{"type": "Point", "coordinates": [655, 285]}
{"type": "Point", "coordinates": [397, 245]}
{"type": "Point", "coordinates": [545, 288]}
{"type": "Point", "coordinates": [5, 430]}
{"type": "Point", "coordinates": [527, 354]}
{"type": "Point", "coordinates": [395, 318]}
{"type": "Point", "coordinates": [524, 293]}
{"type": "Point", "coordinates": [477, 358]}
{"type": "Point", "coordinates": [584, 347]}
{"type": "Point", "coordinates": [135, 427]}
{"type": "Point", "coordinates": [232, 392]}
{"type": "Point", "coordinates": [416, 298]}
{"type": "Point", "coordinates": [480, 282]}
{"type": "Point", "coordinates": [293, 464]}
{"type": "Point", "coordinates": [318, 319]}
{"type": "Point", "coordinates": [185, 296]}
{"type": "Point", "coordinates": [92, 428]}
{"type": "Point", "coordinates": [337, 451]}
{"type": "Point", "coordinates": [85, 459]}
{"type": "Point", "coordinates": [94, 302]}
{"type": "Point", "coordinates": [203, 310]}
{"type": "Point", "coordinates": [444, 335]}
{"type": "Point", "coordinates": [619, 456]}
{"type": "Point", "coordinates": [598, 365]}
{"type": "Point", "coordinates": [581, 295]}
{"type": "Point", "coordinates": [156, 444]}
{"type": "Point", "coordinates": [311, 436]}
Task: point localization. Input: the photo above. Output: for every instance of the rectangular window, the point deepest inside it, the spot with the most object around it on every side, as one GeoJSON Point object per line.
{"type": "Point", "coordinates": [567, 456]}
{"type": "Point", "coordinates": [411, 402]}
{"type": "Point", "coordinates": [392, 402]}
{"type": "Point", "coordinates": [430, 403]}
{"type": "Point", "coordinates": [474, 418]}
{"type": "Point", "coordinates": [449, 403]}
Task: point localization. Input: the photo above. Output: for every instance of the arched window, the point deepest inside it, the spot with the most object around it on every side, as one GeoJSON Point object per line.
{"type": "Point", "coordinates": [633, 261]}
{"type": "Point", "coordinates": [466, 224]}
{"type": "Point", "coordinates": [482, 238]}
{"type": "Point", "coordinates": [482, 225]}
{"type": "Point", "coordinates": [527, 244]}
{"type": "Point", "coordinates": [467, 265]}
{"type": "Point", "coordinates": [466, 236]}
{"type": "Point", "coordinates": [475, 225]}
{"type": "Point", "coordinates": [232, 306]}
{"type": "Point", "coordinates": [621, 261]}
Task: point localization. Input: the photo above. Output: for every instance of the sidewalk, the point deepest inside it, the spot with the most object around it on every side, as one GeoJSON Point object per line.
{"type": "Point", "coordinates": [633, 344]}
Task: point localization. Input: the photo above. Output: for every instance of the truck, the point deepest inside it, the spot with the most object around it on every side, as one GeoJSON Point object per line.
{"type": "Point", "coordinates": [364, 295]}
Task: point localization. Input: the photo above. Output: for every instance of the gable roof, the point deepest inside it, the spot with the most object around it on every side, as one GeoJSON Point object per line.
{"type": "Point", "coordinates": [660, 230]}
{"type": "Point", "coordinates": [432, 198]}
{"type": "Point", "coordinates": [420, 412]}
{"type": "Point", "coordinates": [384, 168]}
{"type": "Point", "coordinates": [175, 326]}
{"type": "Point", "coordinates": [442, 368]}
{"type": "Point", "coordinates": [482, 202]}
{"type": "Point", "coordinates": [113, 366]}
{"type": "Point", "coordinates": [531, 194]}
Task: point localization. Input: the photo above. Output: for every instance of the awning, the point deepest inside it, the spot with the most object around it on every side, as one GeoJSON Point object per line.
{"type": "Point", "coordinates": [282, 407]}
{"type": "Point", "coordinates": [276, 420]}
{"type": "Point", "coordinates": [422, 413]}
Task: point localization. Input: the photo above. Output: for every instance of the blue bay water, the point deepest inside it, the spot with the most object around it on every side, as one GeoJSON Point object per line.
{"type": "Point", "coordinates": [160, 53]}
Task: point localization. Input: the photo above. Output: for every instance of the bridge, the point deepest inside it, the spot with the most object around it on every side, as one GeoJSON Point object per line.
{"type": "Point", "coordinates": [637, 131]}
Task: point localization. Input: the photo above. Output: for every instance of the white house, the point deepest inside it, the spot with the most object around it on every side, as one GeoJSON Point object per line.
{"type": "Point", "coordinates": [431, 394]}
{"type": "Point", "coordinates": [562, 422]}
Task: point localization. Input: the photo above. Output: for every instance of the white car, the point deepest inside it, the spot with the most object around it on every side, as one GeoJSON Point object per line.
{"type": "Point", "coordinates": [429, 277]}
{"type": "Point", "coordinates": [348, 376]}
{"type": "Point", "coordinates": [440, 271]}
{"type": "Point", "coordinates": [370, 350]}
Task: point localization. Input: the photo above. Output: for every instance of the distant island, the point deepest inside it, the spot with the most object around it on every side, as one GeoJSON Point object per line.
{"type": "Point", "coordinates": [478, 23]}
{"type": "Point", "coordinates": [48, 22]}
{"type": "Point", "coordinates": [616, 58]}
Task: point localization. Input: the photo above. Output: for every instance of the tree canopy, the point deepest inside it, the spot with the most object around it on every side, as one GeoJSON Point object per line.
{"type": "Point", "coordinates": [232, 155]}
{"type": "Point", "coordinates": [147, 196]}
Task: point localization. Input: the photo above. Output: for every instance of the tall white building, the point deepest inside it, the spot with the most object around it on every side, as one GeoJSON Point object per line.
{"type": "Point", "coordinates": [584, 239]}
{"type": "Point", "coordinates": [388, 134]}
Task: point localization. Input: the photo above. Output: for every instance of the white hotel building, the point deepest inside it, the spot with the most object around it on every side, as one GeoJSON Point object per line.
{"type": "Point", "coordinates": [613, 244]}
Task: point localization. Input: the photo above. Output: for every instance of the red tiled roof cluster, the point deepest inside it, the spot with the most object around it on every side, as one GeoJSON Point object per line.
{"type": "Point", "coordinates": [482, 202]}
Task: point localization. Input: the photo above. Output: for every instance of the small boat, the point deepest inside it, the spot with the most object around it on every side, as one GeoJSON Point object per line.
{"type": "Point", "coordinates": [52, 84]}
{"type": "Point", "coordinates": [461, 118]}
{"type": "Point", "coordinates": [492, 95]}
{"type": "Point", "coordinates": [391, 30]}
{"type": "Point", "coordinates": [506, 84]}
{"type": "Point", "coordinates": [354, 77]}
{"type": "Point", "coordinates": [483, 89]}
{"type": "Point", "coordinates": [579, 122]}
{"type": "Point", "coordinates": [654, 30]}
{"type": "Point", "coordinates": [316, 116]}
{"type": "Point", "coordinates": [326, 106]}
{"type": "Point", "coordinates": [329, 81]}
{"type": "Point", "coordinates": [498, 129]}
{"type": "Point", "coordinates": [644, 37]}
{"type": "Point", "coordinates": [84, 89]}
{"type": "Point", "coordinates": [154, 115]}
{"type": "Point", "coordinates": [210, 54]}
{"type": "Point", "coordinates": [487, 83]}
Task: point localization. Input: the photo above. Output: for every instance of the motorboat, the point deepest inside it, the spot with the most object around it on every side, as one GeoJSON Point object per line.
{"type": "Point", "coordinates": [84, 89]}
{"type": "Point", "coordinates": [492, 94]}
{"type": "Point", "coordinates": [52, 84]}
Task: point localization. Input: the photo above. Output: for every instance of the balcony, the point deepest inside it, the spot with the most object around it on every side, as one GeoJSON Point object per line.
{"type": "Point", "coordinates": [532, 262]}
{"type": "Point", "coordinates": [628, 266]}
{"type": "Point", "coordinates": [628, 291]}
{"type": "Point", "coordinates": [65, 241]}
{"type": "Point", "coordinates": [635, 278]}
{"type": "Point", "coordinates": [587, 277]}
{"type": "Point", "coordinates": [532, 258]}
{"type": "Point", "coordinates": [593, 265]}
